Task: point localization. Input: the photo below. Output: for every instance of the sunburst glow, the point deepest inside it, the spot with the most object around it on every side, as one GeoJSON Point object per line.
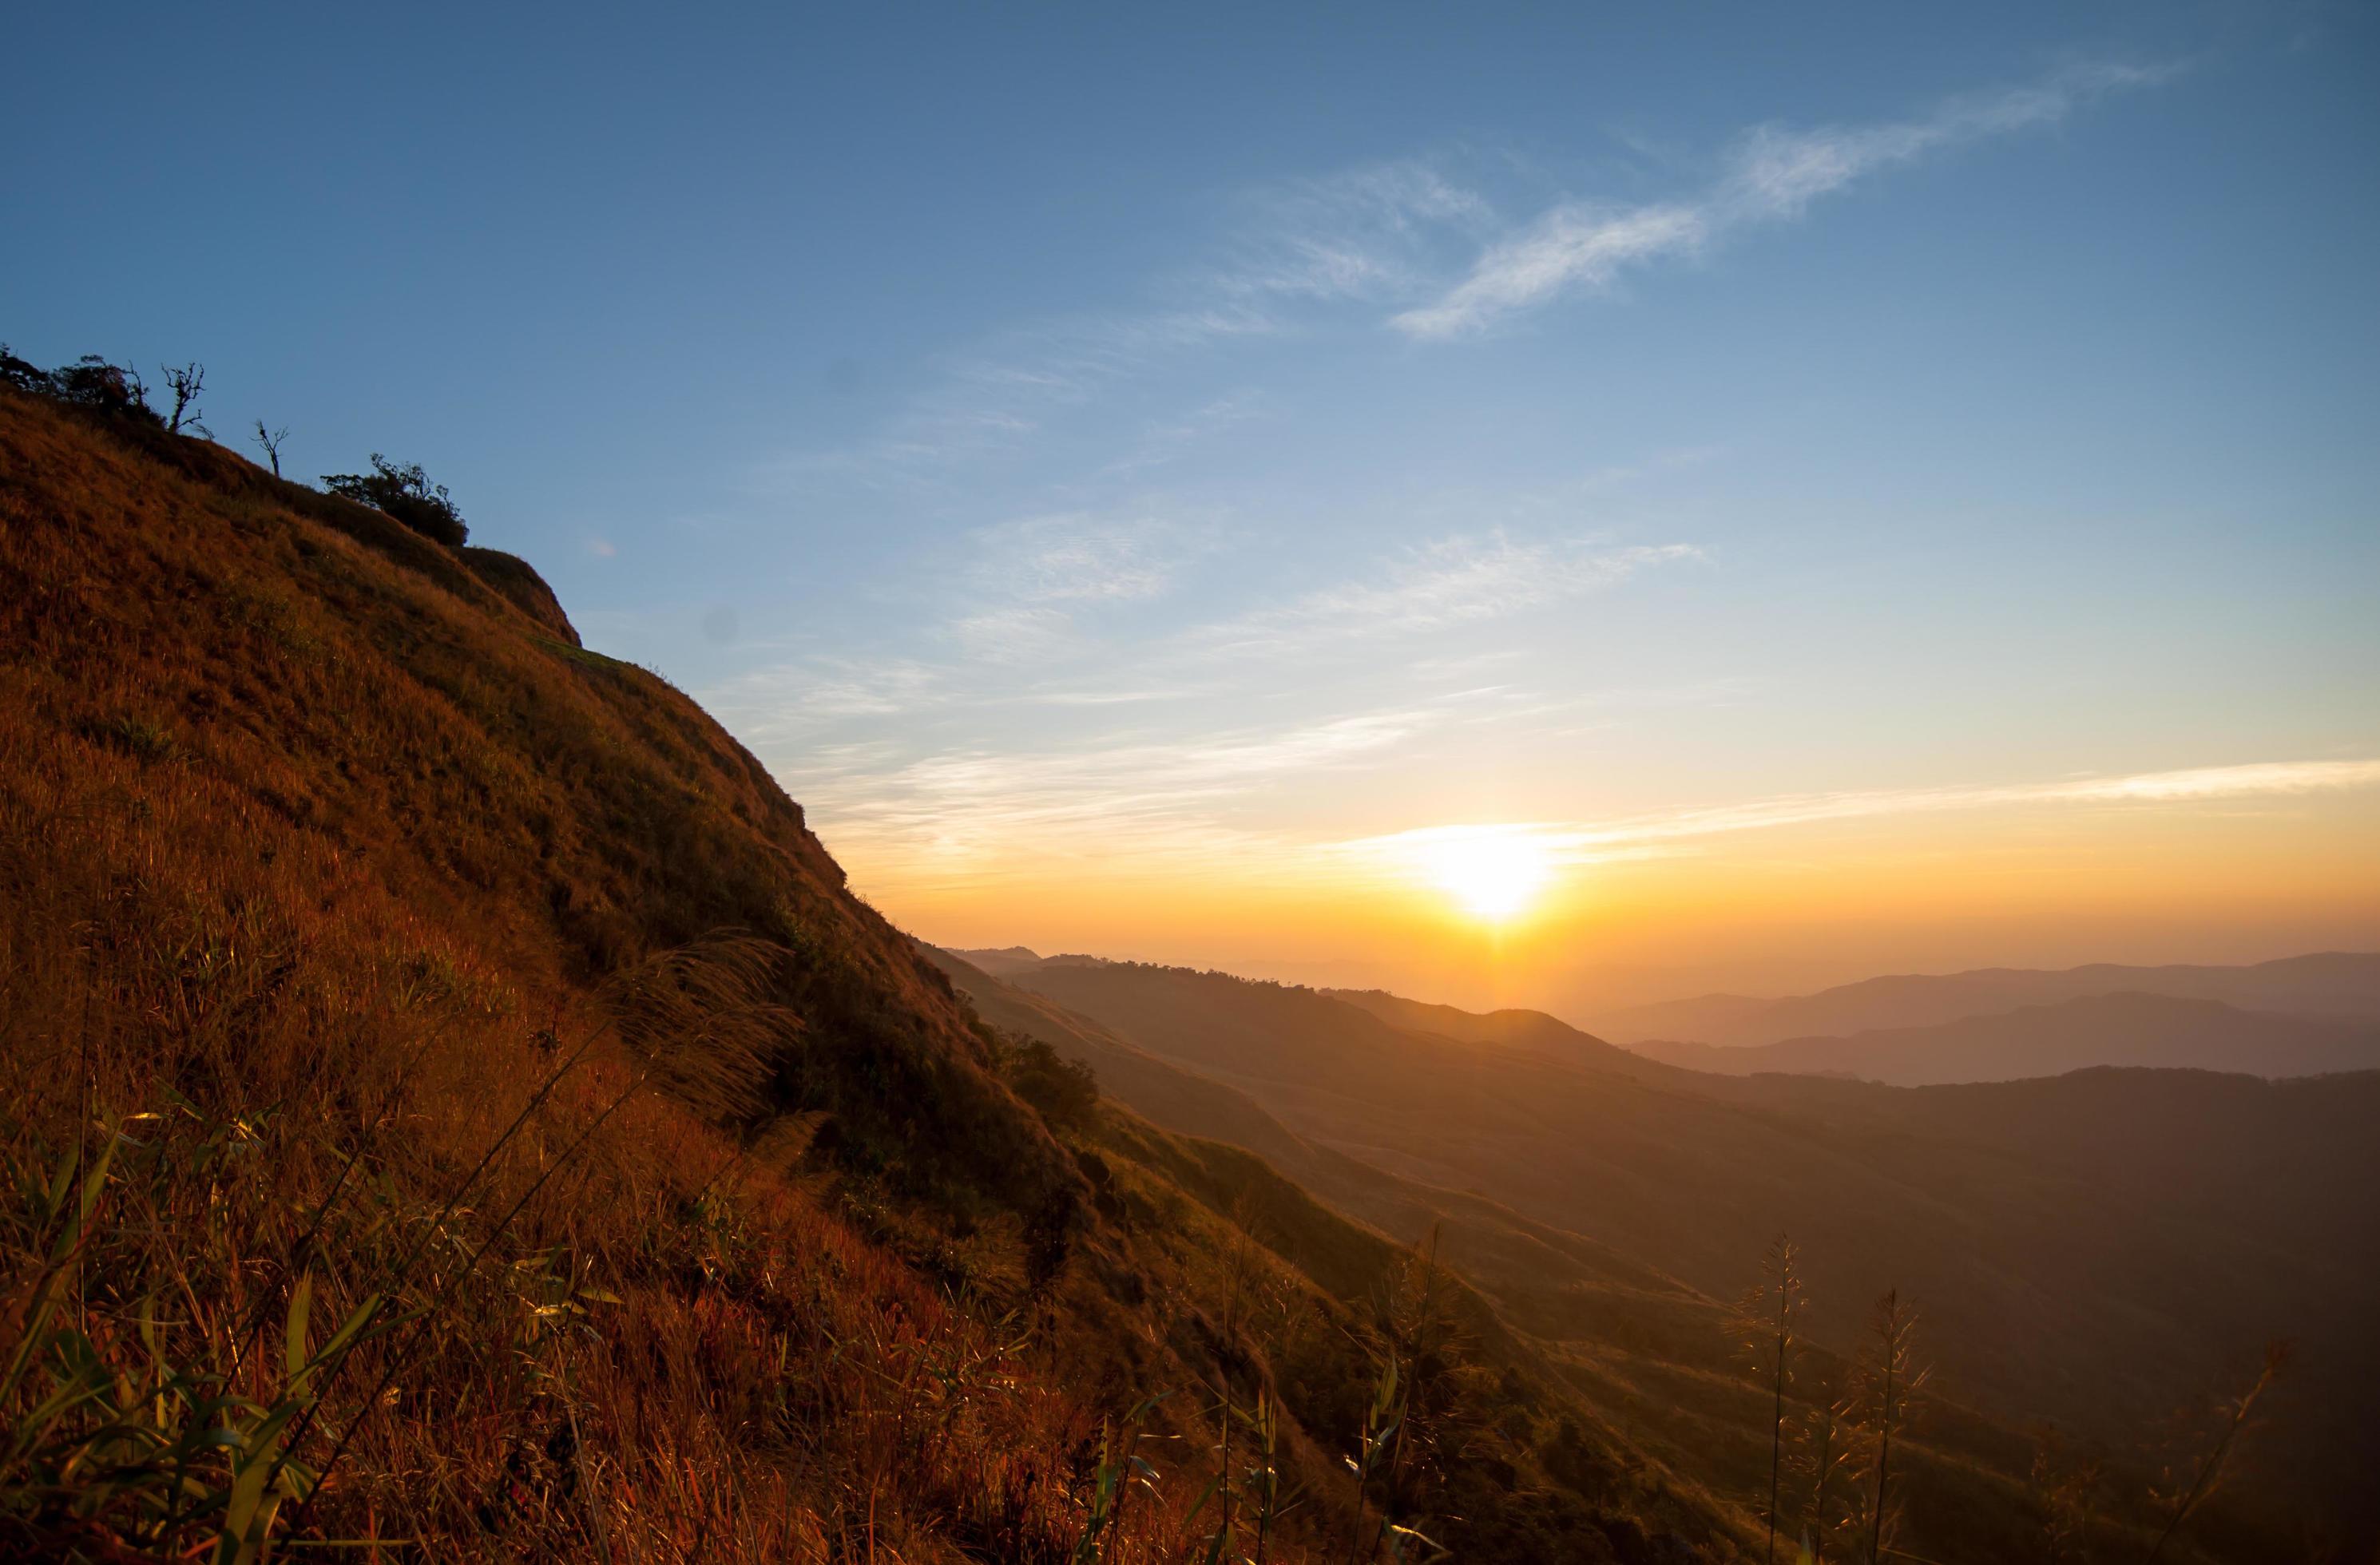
{"type": "Point", "coordinates": [1493, 874]}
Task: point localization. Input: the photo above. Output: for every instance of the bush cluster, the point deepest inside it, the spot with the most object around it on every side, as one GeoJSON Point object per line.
{"type": "Point", "coordinates": [405, 492]}
{"type": "Point", "coordinates": [1065, 1091]}
{"type": "Point", "coordinates": [402, 491]}
{"type": "Point", "coordinates": [90, 381]}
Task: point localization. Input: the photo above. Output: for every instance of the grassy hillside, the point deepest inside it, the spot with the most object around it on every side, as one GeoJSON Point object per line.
{"type": "Point", "coordinates": [456, 1104]}
{"type": "Point", "coordinates": [2069, 1268]}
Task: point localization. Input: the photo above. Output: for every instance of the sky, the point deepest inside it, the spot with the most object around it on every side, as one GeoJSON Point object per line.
{"type": "Point", "coordinates": [1515, 504]}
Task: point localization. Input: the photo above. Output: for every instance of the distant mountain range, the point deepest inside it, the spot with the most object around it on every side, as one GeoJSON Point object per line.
{"type": "Point", "coordinates": [2152, 1030]}
{"type": "Point", "coordinates": [1532, 1031]}
{"type": "Point", "coordinates": [2341, 986]}
{"type": "Point", "coordinates": [2094, 1248]}
{"type": "Point", "coordinates": [1009, 960]}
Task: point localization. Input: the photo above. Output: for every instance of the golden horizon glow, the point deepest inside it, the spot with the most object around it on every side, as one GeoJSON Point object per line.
{"type": "Point", "coordinates": [1772, 894]}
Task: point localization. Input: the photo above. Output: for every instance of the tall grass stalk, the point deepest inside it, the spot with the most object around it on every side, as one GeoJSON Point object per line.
{"type": "Point", "coordinates": [1895, 1378]}
{"type": "Point", "coordinates": [399, 1359]}
{"type": "Point", "coordinates": [2183, 1500]}
{"type": "Point", "coordinates": [1768, 1318]}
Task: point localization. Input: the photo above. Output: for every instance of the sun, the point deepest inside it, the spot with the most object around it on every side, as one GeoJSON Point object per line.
{"type": "Point", "coordinates": [1493, 874]}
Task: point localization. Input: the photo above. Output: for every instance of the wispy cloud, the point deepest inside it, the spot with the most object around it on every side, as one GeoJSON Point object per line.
{"type": "Point", "coordinates": [1418, 236]}
{"type": "Point", "coordinates": [1169, 440]}
{"type": "Point", "coordinates": [1129, 805]}
{"type": "Point", "coordinates": [1364, 233]}
{"type": "Point", "coordinates": [1593, 841]}
{"type": "Point", "coordinates": [1038, 576]}
{"type": "Point", "coordinates": [916, 765]}
{"type": "Point", "coordinates": [1452, 581]}
{"type": "Point", "coordinates": [1005, 392]}
{"type": "Point", "coordinates": [1018, 634]}
{"type": "Point", "coordinates": [782, 700]}
{"type": "Point", "coordinates": [1082, 557]}
{"type": "Point", "coordinates": [1033, 576]}
{"type": "Point", "coordinates": [1773, 175]}
{"type": "Point", "coordinates": [1121, 800]}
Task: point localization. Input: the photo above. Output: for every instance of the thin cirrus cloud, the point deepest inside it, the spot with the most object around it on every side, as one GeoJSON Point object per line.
{"type": "Point", "coordinates": [921, 771]}
{"type": "Point", "coordinates": [1774, 174]}
{"type": "Point", "coordinates": [967, 815]}
{"type": "Point", "coordinates": [1050, 568]}
{"type": "Point", "coordinates": [1034, 575]}
{"type": "Point", "coordinates": [1080, 557]}
{"type": "Point", "coordinates": [1019, 634]}
{"type": "Point", "coordinates": [1450, 582]}
{"type": "Point", "coordinates": [786, 701]}
{"type": "Point", "coordinates": [1130, 798]}
{"type": "Point", "coordinates": [1388, 234]}
{"type": "Point", "coordinates": [1581, 841]}
{"type": "Point", "coordinates": [1044, 570]}
{"type": "Point", "coordinates": [1362, 235]}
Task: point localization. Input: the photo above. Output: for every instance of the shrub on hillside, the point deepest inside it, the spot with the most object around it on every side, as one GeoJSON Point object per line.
{"type": "Point", "coordinates": [1064, 1090]}
{"type": "Point", "coordinates": [23, 374]}
{"type": "Point", "coordinates": [406, 494]}
{"type": "Point", "coordinates": [89, 381]}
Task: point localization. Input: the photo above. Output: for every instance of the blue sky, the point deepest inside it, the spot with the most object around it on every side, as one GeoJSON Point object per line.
{"type": "Point", "coordinates": [1082, 444]}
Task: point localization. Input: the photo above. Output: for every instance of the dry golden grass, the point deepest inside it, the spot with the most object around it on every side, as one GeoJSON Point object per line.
{"type": "Point", "coordinates": [505, 1136]}
{"type": "Point", "coordinates": [358, 933]}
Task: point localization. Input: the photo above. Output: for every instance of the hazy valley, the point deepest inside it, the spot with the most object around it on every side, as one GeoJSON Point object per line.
{"type": "Point", "coordinates": [2043, 1222]}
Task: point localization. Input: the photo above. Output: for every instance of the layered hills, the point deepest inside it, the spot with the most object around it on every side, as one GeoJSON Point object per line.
{"type": "Point", "coordinates": [2091, 1250]}
{"type": "Point", "coordinates": [2343, 986]}
{"type": "Point", "coordinates": [2152, 1030]}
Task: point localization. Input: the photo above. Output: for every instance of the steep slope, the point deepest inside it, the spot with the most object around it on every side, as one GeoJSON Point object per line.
{"type": "Point", "coordinates": [2336, 985]}
{"type": "Point", "coordinates": [2154, 1031]}
{"type": "Point", "coordinates": [371, 955]}
{"type": "Point", "coordinates": [350, 874]}
{"type": "Point", "coordinates": [2056, 1283]}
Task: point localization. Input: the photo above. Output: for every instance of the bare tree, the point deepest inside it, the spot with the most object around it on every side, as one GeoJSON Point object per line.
{"type": "Point", "coordinates": [134, 390]}
{"type": "Point", "coordinates": [271, 440]}
{"type": "Point", "coordinates": [1769, 1320]}
{"type": "Point", "coordinates": [2182, 1497]}
{"type": "Point", "coordinates": [1891, 1378]}
{"type": "Point", "coordinates": [186, 383]}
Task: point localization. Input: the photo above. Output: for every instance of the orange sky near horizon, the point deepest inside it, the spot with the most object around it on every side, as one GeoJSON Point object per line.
{"type": "Point", "coordinates": [2229, 868]}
